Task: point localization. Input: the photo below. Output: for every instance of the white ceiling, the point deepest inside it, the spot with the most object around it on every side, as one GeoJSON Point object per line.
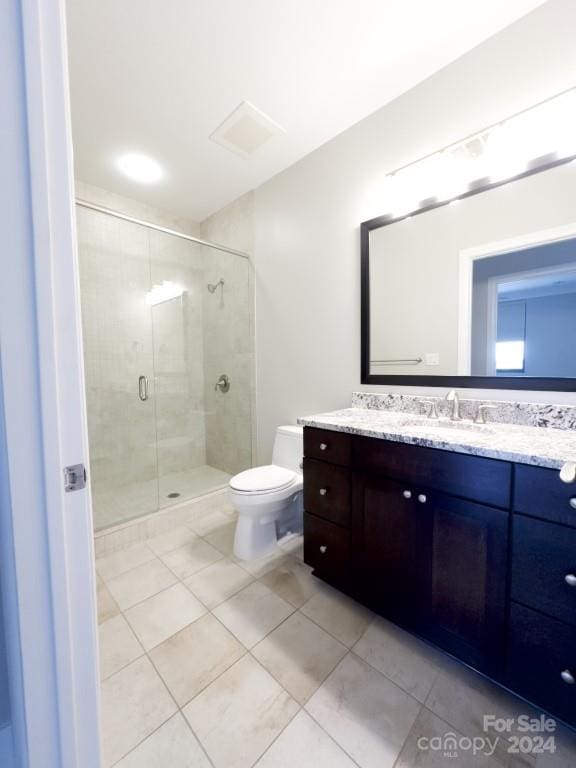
{"type": "Point", "coordinates": [158, 76]}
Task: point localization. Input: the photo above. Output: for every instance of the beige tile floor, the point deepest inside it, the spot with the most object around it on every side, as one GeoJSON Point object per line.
{"type": "Point", "coordinates": [208, 661]}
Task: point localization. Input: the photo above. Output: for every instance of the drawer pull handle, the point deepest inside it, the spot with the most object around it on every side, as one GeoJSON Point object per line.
{"type": "Point", "coordinates": [567, 676]}
{"type": "Point", "coordinates": [568, 472]}
{"type": "Point", "coordinates": [323, 491]}
{"type": "Point", "coordinates": [407, 494]}
{"type": "Point", "coordinates": [323, 548]}
{"type": "Point", "coordinates": [572, 502]}
{"type": "Point", "coordinates": [570, 579]}
{"type": "Point", "coordinates": [323, 446]}
{"type": "Point", "coordinates": [422, 498]}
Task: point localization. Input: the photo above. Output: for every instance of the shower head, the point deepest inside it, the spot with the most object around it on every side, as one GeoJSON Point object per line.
{"type": "Point", "coordinates": [212, 286]}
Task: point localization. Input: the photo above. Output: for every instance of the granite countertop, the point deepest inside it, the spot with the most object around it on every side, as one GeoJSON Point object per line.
{"type": "Point", "coordinates": [539, 446]}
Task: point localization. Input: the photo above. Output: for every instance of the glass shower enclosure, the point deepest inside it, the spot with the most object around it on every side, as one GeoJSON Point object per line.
{"type": "Point", "coordinates": [168, 365]}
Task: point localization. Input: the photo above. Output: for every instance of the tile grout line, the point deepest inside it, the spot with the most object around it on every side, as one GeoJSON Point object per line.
{"type": "Point", "coordinates": [407, 738]}
{"type": "Point", "coordinates": [246, 651]}
{"type": "Point", "coordinates": [144, 542]}
{"type": "Point", "coordinates": [349, 650]}
{"type": "Point", "coordinates": [180, 709]}
{"type": "Point", "coordinates": [389, 679]}
{"type": "Point", "coordinates": [340, 746]}
{"type": "Point", "coordinates": [300, 708]}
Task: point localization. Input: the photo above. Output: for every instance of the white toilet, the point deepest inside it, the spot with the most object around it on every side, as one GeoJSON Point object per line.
{"type": "Point", "coordinates": [269, 499]}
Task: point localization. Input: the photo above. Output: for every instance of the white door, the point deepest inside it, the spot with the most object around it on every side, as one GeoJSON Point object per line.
{"type": "Point", "coordinates": [46, 542]}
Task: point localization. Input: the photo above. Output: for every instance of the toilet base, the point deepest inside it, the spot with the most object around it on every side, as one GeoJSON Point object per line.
{"type": "Point", "coordinates": [254, 539]}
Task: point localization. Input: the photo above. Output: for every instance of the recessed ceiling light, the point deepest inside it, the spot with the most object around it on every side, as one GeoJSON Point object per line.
{"type": "Point", "coordinates": [140, 168]}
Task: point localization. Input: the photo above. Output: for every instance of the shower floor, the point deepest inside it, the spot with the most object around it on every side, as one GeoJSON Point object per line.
{"type": "Point", "coordinates": [192, 482]}
{"type": "Point", "coordinates": [117, 505]}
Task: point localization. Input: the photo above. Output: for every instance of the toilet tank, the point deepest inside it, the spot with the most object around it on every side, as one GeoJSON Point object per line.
{"type": "Point", "coordinates": [289, 448]}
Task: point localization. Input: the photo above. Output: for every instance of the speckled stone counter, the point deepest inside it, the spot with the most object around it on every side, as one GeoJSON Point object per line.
{"type": "Point", "coordinates": [544, 446]}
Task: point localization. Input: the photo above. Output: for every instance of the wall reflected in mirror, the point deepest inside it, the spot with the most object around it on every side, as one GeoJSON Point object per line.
{"type": "Point", "coordinates": [485, 286]}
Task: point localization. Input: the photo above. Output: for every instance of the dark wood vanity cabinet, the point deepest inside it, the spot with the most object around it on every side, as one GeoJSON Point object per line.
{"type": "Point", "coordinates": [466, 596]}
{"type": "Point", "coordinates": [432, 562]}
{"type": "Point", "coordinates": [390, 548]}
{"type": "Point", "coordinates": [450, 547]}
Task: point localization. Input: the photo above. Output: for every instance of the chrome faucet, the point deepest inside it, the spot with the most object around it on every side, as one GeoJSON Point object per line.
{"type": "Point", "coordinates": [452, 397]}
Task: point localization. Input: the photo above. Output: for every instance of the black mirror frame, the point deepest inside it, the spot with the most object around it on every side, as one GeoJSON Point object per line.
{"type": "Point", "coordinates": [536, 383]}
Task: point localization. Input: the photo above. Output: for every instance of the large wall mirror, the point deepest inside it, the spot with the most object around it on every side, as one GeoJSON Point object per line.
{"type": "Point", "coordinates": [476, 292]}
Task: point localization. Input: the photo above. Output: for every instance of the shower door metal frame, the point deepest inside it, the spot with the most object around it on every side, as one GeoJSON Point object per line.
{"type": "Point", "coordinates": [158, 228]}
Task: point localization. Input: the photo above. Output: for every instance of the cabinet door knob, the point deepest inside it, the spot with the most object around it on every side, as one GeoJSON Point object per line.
{"type": "Point", "coordinates": [568, 472]}
{"type": "Point", "coordinates": [407, 494]}
{"type": "Point", "coordinates": [323, 491]}
{"type": "Point", "coordinates": [572, 502]}
{"type": "Point", "coordinates": [422, 498]}
{"type": "Point", "coordinates": [323, 548]}
{"type": "Point", "coordinates": [323, 446]}
{"type": "Point", "coordinates": [570, 579]}
{"type": "Point", "coordinates": [567, 676]}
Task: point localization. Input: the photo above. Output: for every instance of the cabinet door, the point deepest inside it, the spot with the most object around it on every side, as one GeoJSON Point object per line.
{"type": "Point", "coordinates": [390, 547]}
{"type": "Point", "coordinates": [468, 564]}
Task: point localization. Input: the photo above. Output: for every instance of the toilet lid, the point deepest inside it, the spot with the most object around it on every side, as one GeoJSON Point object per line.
{"type": "Point", "coordinates": [269, 478]}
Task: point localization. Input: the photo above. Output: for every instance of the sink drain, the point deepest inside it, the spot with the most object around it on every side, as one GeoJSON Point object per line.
{"type": "Point", "coordinates": [173, 495]}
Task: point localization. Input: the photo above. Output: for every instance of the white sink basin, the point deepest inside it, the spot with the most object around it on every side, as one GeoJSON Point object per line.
{"type": "Point", "coordinates": [449, 428]}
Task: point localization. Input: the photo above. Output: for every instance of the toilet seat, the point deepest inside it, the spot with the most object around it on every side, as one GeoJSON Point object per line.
{"type": "Point", "coordinates": [259, 480]}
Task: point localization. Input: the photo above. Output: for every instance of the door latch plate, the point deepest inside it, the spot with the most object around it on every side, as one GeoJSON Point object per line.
{"type": "Point", "coordinates": [74, 477]}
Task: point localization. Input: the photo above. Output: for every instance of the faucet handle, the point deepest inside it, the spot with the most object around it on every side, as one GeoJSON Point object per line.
{"type": "Point", "coordinates": [454, 398]}
{"type": "Point", "coordinates": [432, 404]}
{"type": "Point", "coordinates": [480, 417]}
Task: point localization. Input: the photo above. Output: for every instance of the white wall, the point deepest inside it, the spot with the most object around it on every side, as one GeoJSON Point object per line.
{"type": "Point", "coordinates": [307, 218]}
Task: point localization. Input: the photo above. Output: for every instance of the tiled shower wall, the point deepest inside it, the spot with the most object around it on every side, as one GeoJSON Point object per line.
{"type": "Point", "coordinates": [229, 338]}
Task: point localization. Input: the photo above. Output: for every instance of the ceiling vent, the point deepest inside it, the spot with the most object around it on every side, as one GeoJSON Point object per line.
{"type": "Point", "coordinates": [245, 130]}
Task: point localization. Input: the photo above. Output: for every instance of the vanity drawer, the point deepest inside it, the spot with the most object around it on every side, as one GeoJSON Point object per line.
{"type": "Point", "coordinates": [541, 493]}
{"type": "Point", "coordinates": [327, 491]}
{"type": "Point", "coordinates": [327, 548]}
{"type": "Point", "coordinates": [544, 559]}
{"type": "Point", "coordinates": [488, 481]}
{"type": "Point", "coordinates": [327, 445]}
{"type": "Point", "coordinates": [540, 649]}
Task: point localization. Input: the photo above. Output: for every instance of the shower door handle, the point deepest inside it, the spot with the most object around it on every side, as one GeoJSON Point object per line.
{"type": "Point", "coordinates": [143, 388]}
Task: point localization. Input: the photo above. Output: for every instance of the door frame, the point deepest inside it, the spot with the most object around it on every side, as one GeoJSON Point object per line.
{"type": "Point", "coordinates": [467, 258]}
{"type": "Point", "coordinates": [46, 534]}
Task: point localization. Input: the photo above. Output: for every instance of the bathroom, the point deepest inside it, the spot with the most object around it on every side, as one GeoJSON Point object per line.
{"type": "Point", "coordinates": [295, 369]}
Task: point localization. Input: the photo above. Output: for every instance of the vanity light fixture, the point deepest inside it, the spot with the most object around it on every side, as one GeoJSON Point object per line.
{"type": "Point", "coordinates": [167, 290]}
{"type": "Point", "coordinates": [140, 168]}
{"type": "Point", "coordinates": [543, 133]}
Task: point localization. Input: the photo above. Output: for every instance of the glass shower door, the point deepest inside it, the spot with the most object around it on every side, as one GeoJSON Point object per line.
{"type": "Point", "coordinates": [201, 332]}
{"type": "Point", "coordinates": [118, 349]}
{"type": "Point", "coordinates": [176, 275]}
